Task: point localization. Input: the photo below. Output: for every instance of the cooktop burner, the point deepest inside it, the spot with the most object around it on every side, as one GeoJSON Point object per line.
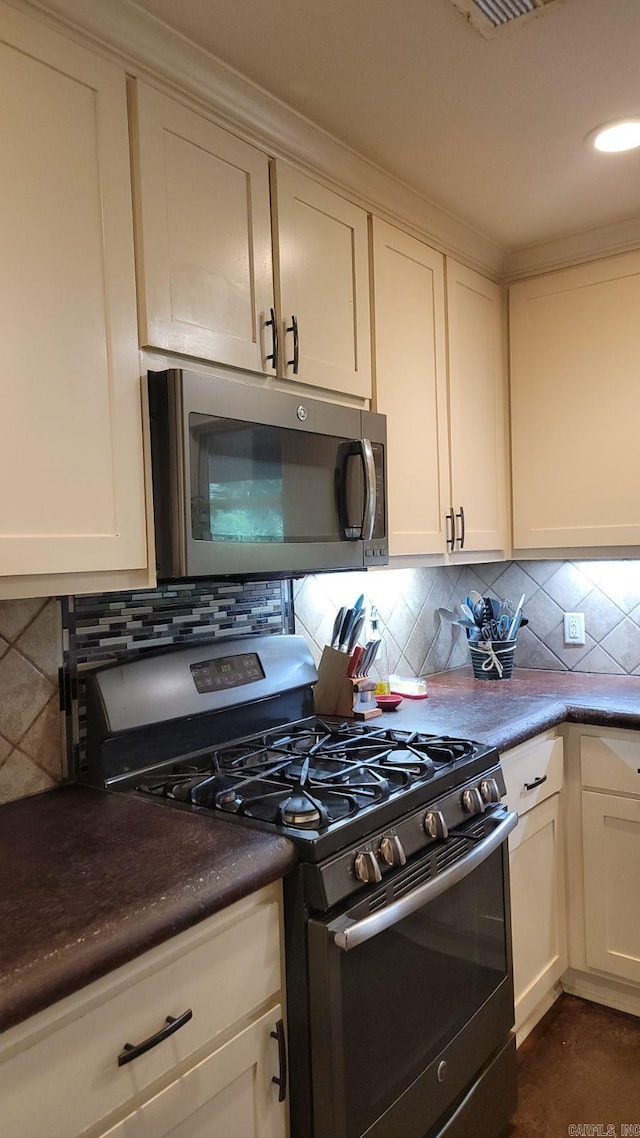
{"type": "Point", "coordinates": [255, 754]}
{"type": "Point", "coordinates": [309, 777]}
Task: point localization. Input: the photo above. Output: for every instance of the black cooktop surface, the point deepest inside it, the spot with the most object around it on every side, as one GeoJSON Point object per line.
{"type": "Point", "coordinates": [314, 779]}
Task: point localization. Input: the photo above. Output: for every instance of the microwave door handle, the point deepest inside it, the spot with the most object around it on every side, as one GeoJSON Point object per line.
{"type": "Point", "coordinates": [369, 467]}
{"type": "Point", "coordinates": [364, 530]}
{"type": "Point", "coordinates": [357, 932]}
{"type": "Point", "coordinates": [355, 530]}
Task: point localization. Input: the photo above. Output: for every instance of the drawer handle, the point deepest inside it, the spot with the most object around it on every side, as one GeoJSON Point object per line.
{"type": "Point", "coordinates": [281, 1080]}
{"type": "Point", "coordinates": [132, 1050]}
{"type": "Point", "coordinates": [536, 782]}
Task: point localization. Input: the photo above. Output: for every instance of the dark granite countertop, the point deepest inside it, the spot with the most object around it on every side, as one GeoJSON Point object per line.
{"type": "Point", "coordinates": [506, 712]}
{"type": "Point", "coordinates": [91, 879]}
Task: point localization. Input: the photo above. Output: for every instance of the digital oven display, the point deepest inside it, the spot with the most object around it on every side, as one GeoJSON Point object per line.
{"type": "Point", "coordinates": [226, 672]}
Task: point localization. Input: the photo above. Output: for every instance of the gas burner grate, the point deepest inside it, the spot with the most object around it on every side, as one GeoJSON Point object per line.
{"type": "Point", "coordinates": [308, 776]}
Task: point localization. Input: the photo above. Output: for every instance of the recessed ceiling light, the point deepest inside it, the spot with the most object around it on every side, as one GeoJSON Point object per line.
{"type": "Point", "coordinates": [617, 136]}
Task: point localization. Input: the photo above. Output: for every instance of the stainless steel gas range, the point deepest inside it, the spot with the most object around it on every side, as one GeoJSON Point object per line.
{"type": "Point", "coordinates": [398, 950]}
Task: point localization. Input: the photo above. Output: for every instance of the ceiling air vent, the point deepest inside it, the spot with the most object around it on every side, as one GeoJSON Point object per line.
{"type": "Point", "coordinates": [489, 16]}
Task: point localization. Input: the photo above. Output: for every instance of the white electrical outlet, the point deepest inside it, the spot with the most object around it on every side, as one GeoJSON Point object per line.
{"type": "Point", "coordinates": [574, 628]}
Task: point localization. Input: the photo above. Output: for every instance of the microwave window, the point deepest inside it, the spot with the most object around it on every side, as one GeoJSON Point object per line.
{"type": "Point", "coordinates": [256, 483]}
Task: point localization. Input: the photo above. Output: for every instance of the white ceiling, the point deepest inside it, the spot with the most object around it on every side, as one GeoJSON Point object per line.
{"type": "Point", "coordinates": [492, 130]}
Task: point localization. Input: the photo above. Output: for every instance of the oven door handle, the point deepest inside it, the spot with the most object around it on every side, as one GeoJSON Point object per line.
{"type": "Point", "coordinates": [357, 932]}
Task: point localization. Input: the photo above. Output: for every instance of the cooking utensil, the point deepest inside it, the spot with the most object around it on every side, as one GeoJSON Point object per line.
{"type": "Point", "coordinates": [490, 630]}
{"type": "Point", "coordinates": [354, 662]}
{"type": "Point", "coordinates": [467, 612]}
{"type": "Point", "coordinates": [370, 653]}
{"type": "Point", "coordinates": [363, 661]}
{"type": "Point", "coordinates": [478, 612]}
{"type": "Point", "coordinates": [337, 625]}
{"type": "Point", "coordinates": [503, 626]}
{"type": "Point", "coordinates": [515, 623]}
{"type": "Point", "coordinates": [346, 630]}
{"type": "Point", "coordinates": [448, 614]}
{"type": "Point", "coordinates": [355, 632]}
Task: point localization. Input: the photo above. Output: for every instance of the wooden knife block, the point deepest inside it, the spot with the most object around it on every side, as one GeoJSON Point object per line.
{"type": "Point", "coordinates": [336, 693]}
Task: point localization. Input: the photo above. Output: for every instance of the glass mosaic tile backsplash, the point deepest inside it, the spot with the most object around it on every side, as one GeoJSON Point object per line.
{"type": "Point", "coordinates": [122, 626]}
{"type": "Point", "coordinates": [46, 647]}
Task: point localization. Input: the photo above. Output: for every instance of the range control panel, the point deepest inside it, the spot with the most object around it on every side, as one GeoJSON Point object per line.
{"type": "Point", "coordinates": [226, 672]}
{"type": "Point", "coordinates": [391, 848]}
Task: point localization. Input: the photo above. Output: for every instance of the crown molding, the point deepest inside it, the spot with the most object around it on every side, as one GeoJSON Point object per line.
{"type": "Point", "coordinates": [574, 249]}
{"type": "Point", "coordinates": [149, 49]}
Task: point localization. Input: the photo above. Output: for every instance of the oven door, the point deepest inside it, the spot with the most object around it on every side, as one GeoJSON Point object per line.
{"type": "Point", "coordinates": [411, 992]}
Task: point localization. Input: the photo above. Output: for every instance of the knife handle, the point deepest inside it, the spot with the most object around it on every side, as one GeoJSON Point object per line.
{"type": "Point", "coordinates": [337, 627]}
{"type": "Point", "coordinates": [356, 657]}
{"type": "Point", "coordinates": [345, 631]}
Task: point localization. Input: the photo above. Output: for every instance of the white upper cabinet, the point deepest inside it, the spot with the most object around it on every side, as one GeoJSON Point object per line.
{"type": "Point", "coordinates": [211, 229]}
{"type": "Point", "coordinates": [322, 281]}
{"type": "Point", "coordinates": [205, 273]}
{"type": "Point", "coordinates": [410, 370]}
{"type": "Point", "coordinates": [575, 397]}
{"type": "Point", "coordinates": [477, 410]}
{"type": "Point", "coordinates": [71, 462]}
{"type": "Point", "coordinates": [440, 379]}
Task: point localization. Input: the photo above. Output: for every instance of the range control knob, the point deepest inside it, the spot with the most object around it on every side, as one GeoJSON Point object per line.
{"type": "Point", "coordinates": [472, 800]}
{"type": "Point", "coordinates": [391, 850]}
{"type": "Point", "coordinates": [490, 790]}
{"type": "Point", "coordinates": [435, 825]}
{"type": "Point", "coordinates": [366, 866]}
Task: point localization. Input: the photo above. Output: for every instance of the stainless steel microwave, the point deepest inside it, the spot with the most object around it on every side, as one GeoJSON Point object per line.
{"type": "Point", "coordinates": [249, 482]}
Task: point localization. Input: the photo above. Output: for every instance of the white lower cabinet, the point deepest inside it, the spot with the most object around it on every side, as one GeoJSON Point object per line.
{"type": "Point", "coordinates": [229, 1093]}
{"type": "Point", "coordinates": [611, 834]}
{"type": "Point", "coordinates": [537, 906]}
{"type": "Point", "coordinates": [59, 1071]}
{"type": "Point", "coordinates": [610, 778]}
{"type": "Point", "coordinates": [534, 777]}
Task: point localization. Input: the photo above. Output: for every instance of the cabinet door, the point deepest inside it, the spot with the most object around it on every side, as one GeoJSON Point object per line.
{"type": "Point", "coordinates": [410, 369]}
{"type": "Point", "coordinates": [575, 397]}
{"type": "Point", "coordinates": [204, 236]}
{"type": "Point", "coordinates": [538, 918]}
{"type": "Point", "coordinates": [71, 465]}
{"type": "Point", "coordinates": [322, 271]}
{"type": "Point", "coordinates": [230, 1093]}
{"type": "Point", "coordinates": [611, 845]}
{"type": "Point", "coordinates": [477, 409]}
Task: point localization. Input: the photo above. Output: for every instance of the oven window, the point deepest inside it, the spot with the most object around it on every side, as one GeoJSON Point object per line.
{"type": "Point", "coordinates": [256, 483]}
{"type": "Point", "coordinates": [408, 991]}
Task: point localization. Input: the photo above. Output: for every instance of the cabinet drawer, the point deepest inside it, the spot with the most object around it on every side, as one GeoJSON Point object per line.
{"type": "Point", "coordinates": [610, 763]}
{"type": "Point", "coordinates": [231, 1092]}
{"type": "Point", "coordinates": [532, 772]}
{"type": "Point", "coordinates": [223, 970]}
